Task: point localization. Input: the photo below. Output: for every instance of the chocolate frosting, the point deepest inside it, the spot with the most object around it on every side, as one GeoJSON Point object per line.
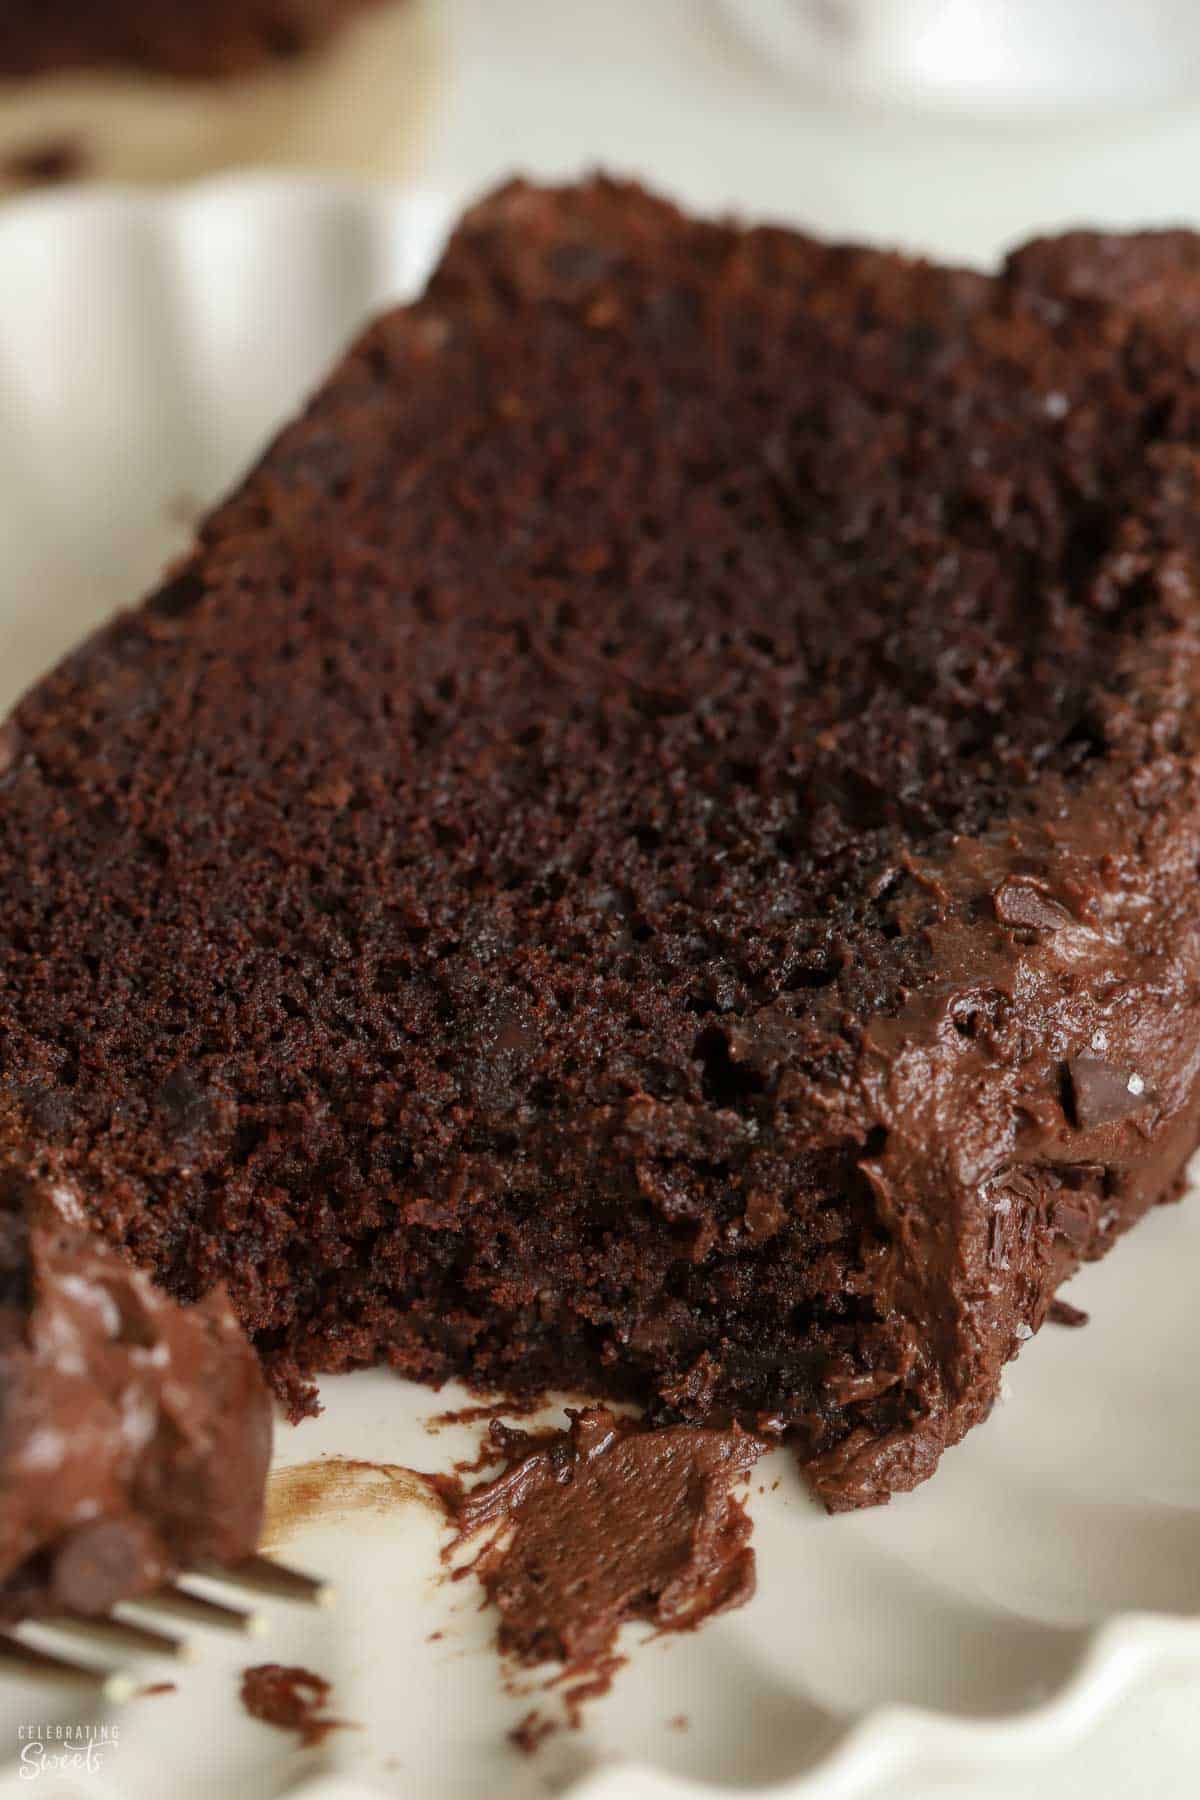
{"type": "Point", "coordinates": [291, 1698]}
{"type": "Point", "coordinates": [135, 1433]}
{"type": "Point", "coordinates": [1042, 1089]}
{"type": "Point", "coordinates": [606, 1522]}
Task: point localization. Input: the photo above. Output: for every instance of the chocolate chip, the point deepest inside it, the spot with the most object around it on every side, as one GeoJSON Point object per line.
{"type": "Point", "coordinates": [183, 1105]}
{"type": "Point", "coordinates": [102, 1563]}
{"type": "Point", "coordinates": [1100, 1094]}
{"type": "Point", "coordinates": [1024, 903]}
{"type": "Point", "coordinates": [178, 596]}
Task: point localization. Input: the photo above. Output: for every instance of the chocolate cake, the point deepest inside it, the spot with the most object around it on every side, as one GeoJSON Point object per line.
{"type": "Point", "coordinates": [135, 1433]}
{"type": "Point", "coordinates": [192, 39]}
{"type": "Point", "coordinates": [651, 847]}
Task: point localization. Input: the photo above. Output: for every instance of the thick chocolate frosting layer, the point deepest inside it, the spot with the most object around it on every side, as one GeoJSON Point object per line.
{"type": "Point", "coordinates": [1042, 1089]}
{"type": "Point", "coordinates": [135, 1433]}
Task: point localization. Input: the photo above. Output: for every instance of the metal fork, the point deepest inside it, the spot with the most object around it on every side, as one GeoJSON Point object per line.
{"type": "Point", "coordinates": [258, 1578]}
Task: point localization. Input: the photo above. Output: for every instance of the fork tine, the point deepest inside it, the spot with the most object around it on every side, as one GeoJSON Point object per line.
{"type": "Point", "coordinates": [126, 1635]}
{"type": "Point", "coordinates": [115, 1685]}
{"type": "Point", "coordinates": [198, 1609]}
{"type": "Point", "coordinates": [275, 1581]}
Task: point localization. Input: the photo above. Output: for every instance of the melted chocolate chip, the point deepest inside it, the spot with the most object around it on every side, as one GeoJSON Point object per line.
{"type": "Point", "coordinates": [1101, 1094]}
{"type": "Point", "coordinates": [99, 1564]}
{"type": "Point", "coordinates": [1025, 903]}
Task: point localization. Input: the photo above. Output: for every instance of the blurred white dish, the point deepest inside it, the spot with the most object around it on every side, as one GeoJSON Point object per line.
{"type": "Point", "coordinates": [992, 1632]}
{"type": "Point", "coordinates": [1009, 57]}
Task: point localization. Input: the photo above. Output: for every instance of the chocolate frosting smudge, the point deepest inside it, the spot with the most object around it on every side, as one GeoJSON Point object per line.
{"type": "Point", "coordinates": [290, 1698]}
{"type": "Point", "coordinates": [606, 1522]}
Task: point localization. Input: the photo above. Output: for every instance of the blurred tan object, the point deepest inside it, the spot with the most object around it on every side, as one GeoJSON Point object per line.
{"type": "Point", "coordinates": [355, 102]}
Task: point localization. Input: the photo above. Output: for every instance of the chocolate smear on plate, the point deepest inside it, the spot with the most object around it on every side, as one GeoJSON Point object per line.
{"type": "Point", "coordinates": [291, 1698]}
{"type": "Point", "coordinates": [531, 1733]}
{"type": "Point", "coordinates": [332, 1489]}
{"type": "Point", "coordinates": [606, 1522]}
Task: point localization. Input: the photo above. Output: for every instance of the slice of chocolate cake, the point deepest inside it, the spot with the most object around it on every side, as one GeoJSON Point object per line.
{"type": "Point", "coordinates": [135, 1433]}
{"type": "Point", "coordinates": [195, 39]}
{"type": "Point", "coordinates": [652, 845]}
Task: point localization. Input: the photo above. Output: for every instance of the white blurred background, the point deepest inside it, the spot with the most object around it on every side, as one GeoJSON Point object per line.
{"type": "Point", "coordinates": [951, 126]}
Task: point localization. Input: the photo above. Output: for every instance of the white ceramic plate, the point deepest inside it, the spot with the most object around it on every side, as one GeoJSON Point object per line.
{"type": "Point", "coordinates": [1022, 1621]}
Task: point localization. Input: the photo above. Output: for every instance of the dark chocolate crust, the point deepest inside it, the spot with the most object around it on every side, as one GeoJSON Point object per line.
{"type": "Point", "coordinates": [652, 846]}
{"type": "Point", "coordinates": [190, 39]}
